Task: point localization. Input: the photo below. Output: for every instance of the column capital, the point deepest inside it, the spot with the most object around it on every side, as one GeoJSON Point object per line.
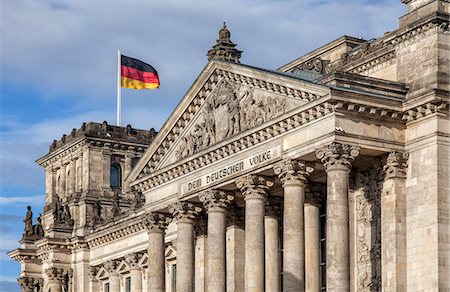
{"type": "Point", "coordinates": [185, 211]}
{"type": "Point", "coordinates": [156, 222]}
{"type": "Point", "coordinates": [92, 273]}
{"type": "Point", "coordinates": [396, 165]}
{"type": "Point", "coordinates": [111, 267]}
{"type": "Point", "coordinates": [26, 283]}
{"type": "Point", "coordinates": [132, 260]}
{"type": "Point", "coordinates": [54, 274]}
{"type": "Point", "coordinates": [273, 211]}
{"type": "Point", "coordinates": [337, 156]}
{"type": "Point", "coordinates": [200, 225]}
{"type": "Point", "coordinates": [293, 172]}
{"type": "Point", "coordinates": [315, 195]}
{"type": "Point", "coordinates": [254, 186]}
{"type": "Point", "coordinates": [235, 217]}
{"type": "Point", "coordinates": [216, 200]}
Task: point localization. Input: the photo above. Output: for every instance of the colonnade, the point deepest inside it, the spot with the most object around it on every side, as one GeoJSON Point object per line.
{"type": "Point", "coordinates": [300, 232]}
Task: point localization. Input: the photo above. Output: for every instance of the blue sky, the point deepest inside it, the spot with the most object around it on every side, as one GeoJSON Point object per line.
{"type": "Point", "coordinates": [58, 70]}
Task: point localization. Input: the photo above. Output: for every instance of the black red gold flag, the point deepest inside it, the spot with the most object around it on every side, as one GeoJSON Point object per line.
{"type": "Point", "coordinates": [137, 74]}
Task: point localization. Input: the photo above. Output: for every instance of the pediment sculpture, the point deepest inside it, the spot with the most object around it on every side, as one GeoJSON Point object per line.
{"type": "Point", "coordinates": [231, 109]}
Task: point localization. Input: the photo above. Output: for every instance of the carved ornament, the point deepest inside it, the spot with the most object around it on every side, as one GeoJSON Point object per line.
{"type": "Point", "coordinates": [55, 274]}
{"type": "Point", "coordinates": [337, 156]}
{"type": "Point", "coordinates": [292, 172]}
{"type": "Point", "coordinates": [396, 165]}
{"type": "Point", "coordinates": [254, 186]}
{"type": "Point", "coordinates": [185, 211]}
{"type": "Point", "coordinates": [216, 200]}
{"type": "Point", "coordinates": [132, 260]}
{"type": "Point", "coordinates": [156, 222]}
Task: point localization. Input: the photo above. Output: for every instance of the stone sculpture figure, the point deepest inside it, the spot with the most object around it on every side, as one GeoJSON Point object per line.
{"type": "Point", "coordinates": [38, 230]}
{"type": "Point", "coordinates": [56, 208]}
{"type": "Point", "coordinates": [28, 221]}
{"type": "Point", "coordinates": [66, 218]}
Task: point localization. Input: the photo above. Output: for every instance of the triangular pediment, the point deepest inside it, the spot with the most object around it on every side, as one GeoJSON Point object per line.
{"type": "Point", "coordinates": [226, 99]}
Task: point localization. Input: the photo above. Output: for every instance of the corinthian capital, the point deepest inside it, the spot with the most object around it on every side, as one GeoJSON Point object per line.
{"type": "Point", "coordinates": [337, 156]}
{"type": "Point", "coordinates": [254, 186]}
{"type": "Point", "coordinates": [156, 222]}
{"type": "Point", "coordinates": [185, 211]}
{"type": "Point", "coordinates": [216, 200]}
{"type": "Point", "coordinates": [292, 172]}
{"type": "Point", "coordinates": [26, 283]}
{"type": "Point", "coordinates": [132, 260]}
{"type": "Point", "coordinates": [54, 274]}
{"type": "Point", "coordinates": [111, 267]}
{"type": "Point", "coordinates": [396, 165]}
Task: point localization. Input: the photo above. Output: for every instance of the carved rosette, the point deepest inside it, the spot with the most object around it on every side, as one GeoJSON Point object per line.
{"type": "Point", "coordinates": [156, 222]}
{"type": "Point", "coordinates": [292, 172]}
{"type": "Point", "coordinates": [337, 156]}
{"type": "Point", "coordinates": [132, 260]}
{"type": "Point", "coordinates": [254, 186]}
{"type": "Point", "coordinates": [185, 211]}
{"type": "Point", "coordinates": [111, 267]}
{"type": "Point", "coordinates": [55, 274]}
{"type": "Point", "coordinates": [396, 165]}
{"type": "Point", "coordinates": [216, 200]}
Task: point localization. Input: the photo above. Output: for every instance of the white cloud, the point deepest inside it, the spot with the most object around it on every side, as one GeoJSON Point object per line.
{"type": "Point", "coordinates": [20, 200]}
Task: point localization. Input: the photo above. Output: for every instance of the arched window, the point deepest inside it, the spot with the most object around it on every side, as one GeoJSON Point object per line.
{"type": "Point", "coordinates": [115, 176]}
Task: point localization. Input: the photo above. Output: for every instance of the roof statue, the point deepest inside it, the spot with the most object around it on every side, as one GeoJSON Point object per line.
{"type": "Point", "coordinates": [224, 49]}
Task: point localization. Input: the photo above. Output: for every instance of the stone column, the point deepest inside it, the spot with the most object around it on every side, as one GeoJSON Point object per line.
{"type": "Point", "coordinates": [72, 176]}
{"type": "Point", "coordinates": [94, 285]}
{"type": "Point", "coordinates": [156, 224]}
{"type": "Point", "coordinates": [393, 224]}
{"type": "Point", "coordinates": [106, 168]}
{"type": "Point", "coordinates": [185, 213]}
{"type": "Point", "coordinates": [235, 237]}
{"type": "Point", "coordinates": [201, 251]}
{"type": "Point", "coordinates": [135, 271]}
{"type": "Point", "coordinates": [254, 189]}
{"type": "Point", "coordinates": [337, 159]}
{"type": "Point", "coordinates": [114, 281]}
{"type": "Point", "coordinates": [293, 175]}
{"type": "Point", "coordinates": [216, 203]}
{"type": "Point", "coordinates": [55, 276]}
{"type": "Point", "coordinates": [272, 248]}
{"type": "Point", "coordinates": [312, 241]}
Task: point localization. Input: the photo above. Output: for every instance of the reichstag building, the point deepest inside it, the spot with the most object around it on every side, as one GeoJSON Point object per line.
{"type": "Point", "coordinates": [330, 173]}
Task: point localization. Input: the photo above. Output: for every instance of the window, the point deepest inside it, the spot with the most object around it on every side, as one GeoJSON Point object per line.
{"type": "Point", "coordinates": [107, 287]}
{"type": "Point", "coordinates": [115, 176]}
{"type": "Point", "coordinates": [174, 278]}
{"type": "Point", "coordinates": [128, 284]}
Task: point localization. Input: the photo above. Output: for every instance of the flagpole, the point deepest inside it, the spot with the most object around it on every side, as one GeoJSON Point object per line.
{"type": "Point", "coordinates": [118, 86]}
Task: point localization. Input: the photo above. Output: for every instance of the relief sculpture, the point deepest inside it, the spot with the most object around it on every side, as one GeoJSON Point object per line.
{"type": "Point", "coordinates": [368, 224]}
{"type": "Point", "coordinates": [232, 108]}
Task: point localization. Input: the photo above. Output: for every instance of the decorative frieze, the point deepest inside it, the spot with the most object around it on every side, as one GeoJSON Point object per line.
{"type": "Point", "coordinates": [315, 65]}
{"type": "Point", "coordinates": [292, 172]}
{"type": "Point", "coordinates": [111, 267]}
{"type": "Point", "coordinates": [254, 186]}
{"type": "Point", "coordinates": [156, 222]}
{"type": "Point", "coordinates": [337, 156]}
{"type": "Point", "coordinates": [185, 211]}
{"type": "Point", "coordinates": [396, 165]}
{"type": "Point", "coordinates": [216, 200]}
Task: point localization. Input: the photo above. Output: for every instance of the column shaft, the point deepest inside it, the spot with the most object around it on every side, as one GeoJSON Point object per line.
{"type": "Point", "coordinates": [185, 256]}
{"type": "Point", "coordinates": [136, 280]}
{"type": "Point", "coordinates": [337, 244]}
{"type": "Point", "coordinates": [272, 253]}
{"type": "Point", "coordinates": [312, 248]}
{"type": "Point", "coordinates": [216, 254]}
{"type": "Point", "coordinates": [156, 260]}
{"type": "Point", "coordinates": [254, 244]}
{"type": "Point", "coordinates": [294, 238]}
{"type": "Point", "coordinates": [114, 283]}
{"type": "Point", "coordinates": [201, 265]}
{"type": "Point", "coordinates": [235, 258]}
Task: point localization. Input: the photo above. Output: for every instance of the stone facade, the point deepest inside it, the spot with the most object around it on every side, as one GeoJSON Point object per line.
{"type": "Point", "coordinates": [331, 172]}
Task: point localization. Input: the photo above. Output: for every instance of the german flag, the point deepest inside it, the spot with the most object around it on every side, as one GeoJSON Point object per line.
{"type": "Point", "coordinates": [137, 74]}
